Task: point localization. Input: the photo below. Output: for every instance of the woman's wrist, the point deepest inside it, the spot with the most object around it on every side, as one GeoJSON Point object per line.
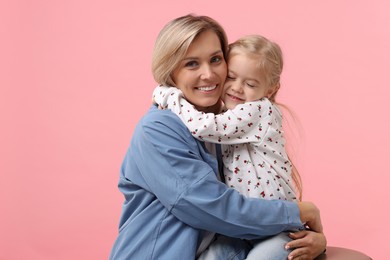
{"type": "Point", "coordinates": [310, 215]}
{"type": "Point", "coordinates": [305, 211]}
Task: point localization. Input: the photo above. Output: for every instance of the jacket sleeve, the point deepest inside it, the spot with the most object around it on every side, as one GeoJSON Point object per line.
{"type": "Point", "coordinates": [245, 123]}
{"type": "Point", "coordinates": [168, 159]}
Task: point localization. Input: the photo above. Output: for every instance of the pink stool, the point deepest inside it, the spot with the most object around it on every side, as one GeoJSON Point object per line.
{"type": "Point", "coordinates": [338, 253]}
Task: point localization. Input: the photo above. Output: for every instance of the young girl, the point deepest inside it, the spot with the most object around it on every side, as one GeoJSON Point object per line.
{"type": "Point", "coordinates": [250, 130]}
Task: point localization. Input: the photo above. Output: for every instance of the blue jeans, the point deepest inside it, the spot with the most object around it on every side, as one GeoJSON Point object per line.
{"type": "Point", "coordinates": [226, 248]}
{"type": "Point", "coordinates": [271, 248]}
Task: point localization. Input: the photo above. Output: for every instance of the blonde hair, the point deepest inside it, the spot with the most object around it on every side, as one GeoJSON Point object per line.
{"type": "Point", "coordinates": [270, 63]}
{"type": "Point", "coordinates": [268, 54]}
{"type": "Point", "coordinates": [174, 40]}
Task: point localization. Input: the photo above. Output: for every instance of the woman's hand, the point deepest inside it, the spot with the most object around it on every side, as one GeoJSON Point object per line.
{"type": "Point", "coordinates": [310, 216]}
{"type": "Point", "coordinates": [306, 244]}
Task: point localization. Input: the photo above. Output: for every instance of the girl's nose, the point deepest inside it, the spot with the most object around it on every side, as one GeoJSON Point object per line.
{"type": "Point", "coordinates": [236, 86]}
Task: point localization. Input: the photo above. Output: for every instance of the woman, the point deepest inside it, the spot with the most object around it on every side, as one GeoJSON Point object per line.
{"type": "Point", "coordinates": [174, 200]}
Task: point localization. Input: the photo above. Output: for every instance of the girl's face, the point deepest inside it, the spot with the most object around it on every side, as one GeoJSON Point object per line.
{"type": "Point", "coordinates": [202, 72]}
{"type": "Point", "coordinates": [244, 82]}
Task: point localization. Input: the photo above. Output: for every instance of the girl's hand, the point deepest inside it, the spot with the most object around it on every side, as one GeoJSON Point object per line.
{"type": "Point", "coordinates": [159, 106]}
{"type": "Point", "coordinates": [306, 244]}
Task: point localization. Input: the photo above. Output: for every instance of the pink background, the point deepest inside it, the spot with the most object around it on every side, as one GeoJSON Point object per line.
{"type": "Point", "coordinates": [75, 79]}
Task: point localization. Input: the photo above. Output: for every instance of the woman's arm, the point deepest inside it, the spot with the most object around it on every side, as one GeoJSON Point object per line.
{"type": "Point", "coordinates": [245, 123]}
{"type": "Point", "coordinates": [308, 244]}
{"type": "Point", "coordinates": [172, 168]}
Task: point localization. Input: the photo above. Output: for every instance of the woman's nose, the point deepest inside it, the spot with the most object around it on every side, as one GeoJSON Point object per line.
{"type": "Point", "coordinates": [206, 72]}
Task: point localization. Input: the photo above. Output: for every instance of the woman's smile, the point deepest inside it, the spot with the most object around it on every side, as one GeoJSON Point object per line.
{"type": "Point", "coordinates": [207, 88]}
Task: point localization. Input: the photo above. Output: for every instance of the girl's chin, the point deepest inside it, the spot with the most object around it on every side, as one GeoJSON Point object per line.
{"type": "Point", "coordinates": [232, 105]}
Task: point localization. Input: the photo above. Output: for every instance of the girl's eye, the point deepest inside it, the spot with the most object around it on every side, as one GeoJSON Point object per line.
{"type": "Point", "coordinates": [216, 59]}
{"type": "Point", "coordinates": [230, 77]}
{"type": "Point", "coordinates": [191, 64]}
{"type": "Point", "coordinates": [250, 85]}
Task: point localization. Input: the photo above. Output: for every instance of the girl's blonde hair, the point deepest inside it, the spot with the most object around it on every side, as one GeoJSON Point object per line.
{"type": "Point", "coordinates": [174, 40]}
{"type": "Point", "coordinates": [268, 54]}
{"type": "Point", "coordinates": [270, 63]}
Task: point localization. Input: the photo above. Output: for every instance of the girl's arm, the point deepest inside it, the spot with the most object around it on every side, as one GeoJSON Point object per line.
{"type": "Point", "coordinates": [245, 123]}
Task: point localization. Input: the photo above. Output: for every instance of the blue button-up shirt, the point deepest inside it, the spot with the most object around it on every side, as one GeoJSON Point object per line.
{"type": "Point", "coordinates": [172, 194]}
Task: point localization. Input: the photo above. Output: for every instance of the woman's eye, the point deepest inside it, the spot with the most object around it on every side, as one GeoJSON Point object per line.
{"type": "Point", "coordinates": [191, 64]}
{"type": "Point", "coordinates": [216, 59]}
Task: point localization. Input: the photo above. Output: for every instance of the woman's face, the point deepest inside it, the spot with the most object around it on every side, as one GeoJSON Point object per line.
{"type": "Point", "coordinates": [202, 72]}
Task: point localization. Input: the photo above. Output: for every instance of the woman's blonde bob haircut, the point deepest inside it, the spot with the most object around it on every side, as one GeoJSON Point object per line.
{"type": "Point", "coordinates": [174, 40]}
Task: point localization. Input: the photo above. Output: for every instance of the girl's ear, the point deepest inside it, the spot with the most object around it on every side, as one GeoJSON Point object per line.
{"type": "Point", "coordinates": [272, 92]}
